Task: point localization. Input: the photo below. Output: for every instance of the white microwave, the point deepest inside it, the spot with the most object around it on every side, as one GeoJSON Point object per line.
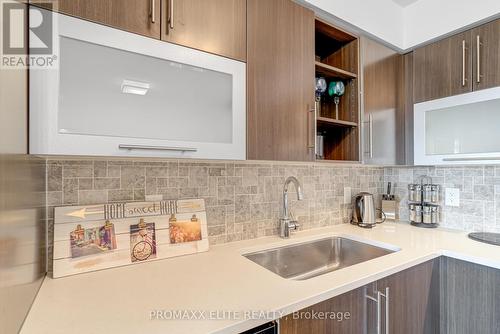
{"type": "Point", "coordinates": [462, 129]}
{"type": "Point", "coordinates": [115, 93]}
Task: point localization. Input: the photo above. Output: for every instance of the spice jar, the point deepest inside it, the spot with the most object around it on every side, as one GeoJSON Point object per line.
{"type": "Point", "coordinates": [427, 216]}
{"type": "Point", "coordinates": [427, 193]}
{"type": "Point", "coordinates": [412, 213]}
{"type": "Point", "coordinates": [418, 193]}
{"type": "Point", "coordinates": [418, 214]}
{"type": "Point", "coordinates": [434, 215]}
{"type": "Point", "coordinates": [435, 193]}
{"type": "Point", "coordinates": [411, 192]}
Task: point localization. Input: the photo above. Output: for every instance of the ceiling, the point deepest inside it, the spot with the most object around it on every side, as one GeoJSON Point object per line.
{"type": "Point", "coordinates": [405, 24]}
{"type": "Point", "coordinates": [404, 3]}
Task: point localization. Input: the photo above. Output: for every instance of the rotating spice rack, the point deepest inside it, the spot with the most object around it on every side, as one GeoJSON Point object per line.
{"type": "Point", "coordinates": [423, 202]}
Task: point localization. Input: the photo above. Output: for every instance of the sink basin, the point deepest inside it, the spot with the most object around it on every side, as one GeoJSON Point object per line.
{"type": "Point", "coordinates": [314, 258]}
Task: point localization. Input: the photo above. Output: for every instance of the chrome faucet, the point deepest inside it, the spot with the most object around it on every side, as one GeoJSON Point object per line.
{"type": "Point", "coordinates": [286, 223]}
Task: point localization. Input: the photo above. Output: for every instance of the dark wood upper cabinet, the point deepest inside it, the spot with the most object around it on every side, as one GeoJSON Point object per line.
{"type": "Point", "coordinates": [443, 68]}
{"type": "Point", "coordinates": [486, 63]}
{"type": "Point", "coordinates": [383, 104]}
{"type": "Point", "coordinates": [459, 64]}
{"type": "Point", "coordinates": [280, 79]}
{"type": "Point", "coordinates": [137, 16]}
{"type": "Point", "coordinates": [215, 26]}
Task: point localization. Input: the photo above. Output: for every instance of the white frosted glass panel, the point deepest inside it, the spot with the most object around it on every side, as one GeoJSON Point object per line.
{"type": "Point", "coordinates": [469, 128]}
{"type": "Point", "coordinates": [183, 103]}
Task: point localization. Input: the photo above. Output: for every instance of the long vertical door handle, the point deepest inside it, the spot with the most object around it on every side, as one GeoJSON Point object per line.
{"type": "Point", "coordinates": [379, 312]}
{"type": "Point", "coordinates": [387, 301]}
{"type": "Point", "coordinates": [370, 127]}
{"type": "Point", "coordinates": [387, 315]}
{"type": "Point", "coordinates": [311, 134]}
{"type": "Point", "coordinates": [153, 10]}
{"type": "Point", "coordinates": [478, 49]}
{"type": "Point", "coordinates": [171, 14]}
{"type": "Point", "coordinates": [377, 301]}
{"type": "Point", "coordinates": [463, 63]}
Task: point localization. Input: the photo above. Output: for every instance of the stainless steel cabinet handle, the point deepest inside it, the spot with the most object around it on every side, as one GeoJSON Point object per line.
{"type": "Point", "coordinates": [377, 301]}
{"type": "Point", "coordinates": [472, 159]}
{"type": "Point", "coordinates": [370, 127]}
{"type": "Point", "coordinates": [370, 136]}
{"type": "Point", "coordinates": [387, 301]}
{"type": "Point", "coordinates": [311, 143]}
{"type": "Point", "coordinates": [153, 10]}
{"type": "Point", "coordinates": [463, 63]}
{"type": "Point", "coordinates": [379, 312]}
{"type": "Point", "coordinates": [478, 49]}
{"type": "Point", "coordinates": [157, 148]}
{"type": "Point", "coordinates": [171, 14]}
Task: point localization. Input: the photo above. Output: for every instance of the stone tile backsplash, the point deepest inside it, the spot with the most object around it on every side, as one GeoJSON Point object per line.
{"type": "Point", "coordinates": [479, 186]}
{"type": "Point", "coordinates": [243, 199]}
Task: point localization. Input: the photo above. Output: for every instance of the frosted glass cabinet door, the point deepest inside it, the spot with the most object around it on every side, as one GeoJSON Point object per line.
{"type": "Point", "coordinates": [459, 129]}
{"type": "Point", "coordinates": [181, 102]}
{"type": "Point", "coordinates": [117, 93]}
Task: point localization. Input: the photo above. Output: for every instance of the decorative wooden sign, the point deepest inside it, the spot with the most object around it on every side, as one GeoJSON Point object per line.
{"type": "Point", "coordinates": [94, 237]}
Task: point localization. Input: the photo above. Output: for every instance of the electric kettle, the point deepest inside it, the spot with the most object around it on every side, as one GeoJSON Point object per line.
{"type": "Point", "coordinates": [363, 212]}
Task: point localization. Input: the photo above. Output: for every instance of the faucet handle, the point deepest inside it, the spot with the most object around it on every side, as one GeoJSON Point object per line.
{"type": "Point", "coordinates": [293, 225]}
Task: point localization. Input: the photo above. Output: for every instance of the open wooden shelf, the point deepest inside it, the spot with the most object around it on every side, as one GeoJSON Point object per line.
{"type": "Point", "coordinates": [333, 72]}
{"type": "Point", "coordinates": [325, 121]}
{"type": "Point", "coordinates": [337, 58]}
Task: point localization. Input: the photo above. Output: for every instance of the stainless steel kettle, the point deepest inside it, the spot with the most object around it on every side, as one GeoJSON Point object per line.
{"type": "Point", "coordinates": [363, 212]}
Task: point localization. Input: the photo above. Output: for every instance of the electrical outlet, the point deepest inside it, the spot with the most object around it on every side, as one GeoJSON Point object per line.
{"type": "Point", "coordinates": [452, 197]}
{"type": "Point", "coordinates": [347, 195]}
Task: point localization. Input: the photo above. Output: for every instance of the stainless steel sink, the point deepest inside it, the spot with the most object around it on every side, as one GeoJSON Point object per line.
{"type": "Point", "coordinates": [314, 258]}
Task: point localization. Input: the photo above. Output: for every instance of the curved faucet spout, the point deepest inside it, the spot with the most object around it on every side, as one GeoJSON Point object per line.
{"type": "Point", "coordinates": [298, 188]}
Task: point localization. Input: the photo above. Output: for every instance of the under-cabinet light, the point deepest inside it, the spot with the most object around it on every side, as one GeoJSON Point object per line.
{"type": "Point", "coordinates": [135, 87]}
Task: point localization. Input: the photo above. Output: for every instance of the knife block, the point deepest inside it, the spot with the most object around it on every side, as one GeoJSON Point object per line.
{"type": "Point", "coordinates": [391, 209]}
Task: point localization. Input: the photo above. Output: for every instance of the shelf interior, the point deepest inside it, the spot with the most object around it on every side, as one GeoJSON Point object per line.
{"type": "Point", "coordinates": [332, 72]}
{"type": "Point", "coordinates": [328, 122]}
{"type": "Point", "coordinates": [337, 59]}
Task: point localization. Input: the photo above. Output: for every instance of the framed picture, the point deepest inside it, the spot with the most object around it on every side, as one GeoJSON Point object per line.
{"type": "Point", "coordinates": [142, 241]}
{"type": "Point", "coordinates": [92, 241]}
{"type": "Point", "coordinates": [184, 230]}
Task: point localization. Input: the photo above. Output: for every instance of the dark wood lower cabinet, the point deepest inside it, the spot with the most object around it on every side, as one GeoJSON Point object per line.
{"type": "Point", "coordinates": [442, 296]}
{"type": "Point", "coordinates": [342, 314]}
{"type": "Point", "coordinates": [470, 298]}
{"type": "Point", "coordinates": [412, 301]}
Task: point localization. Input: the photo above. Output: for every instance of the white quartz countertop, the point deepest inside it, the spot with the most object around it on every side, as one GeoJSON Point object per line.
{"type": "Point", "coordinates": [217, 291]}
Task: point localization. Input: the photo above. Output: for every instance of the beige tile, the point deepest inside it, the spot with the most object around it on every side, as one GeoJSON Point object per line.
{"type": "Point", "coordinates": [54, 177]}
{"type": "Point", "coordinates": [120, 195]}
{"type": "Point", "coordinates": [70, 171]}
{"type": "Point", "coordinates": [70, 191]}
{"type": "Point", "coordinates": [101, 183]}
{"type": "Point", "coordinates": [133, 177]}
{"type": "Point", "coordinates": [93, 197]}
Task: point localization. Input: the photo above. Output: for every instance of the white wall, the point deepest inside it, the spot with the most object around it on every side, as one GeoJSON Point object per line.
{"type": "Point", "coordinates": [428, 19]}
{"type": "Point", "coordinates": [381, 18]}
{"type": "Point", "coordinates": [406, 27]}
